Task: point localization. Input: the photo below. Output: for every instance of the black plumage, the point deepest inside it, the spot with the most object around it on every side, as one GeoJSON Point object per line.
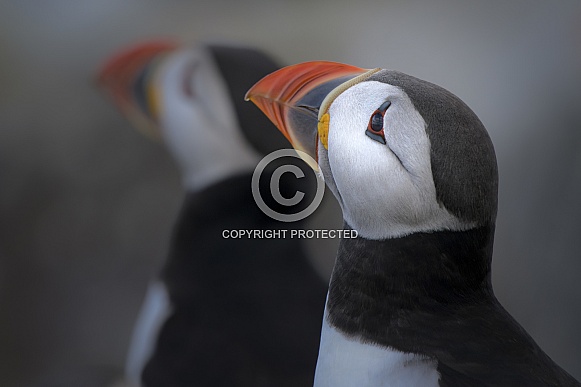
{"type": "Point", "coordinates": [241, 67]}
{"type": "Point", "coordinates": [247, 312]}
{"type": "Point", "coordinates": [462, 155]}
{"type": "Point", "coordinates": [416, 283]}
{"type": "Point", "coordinates": [431, 294]}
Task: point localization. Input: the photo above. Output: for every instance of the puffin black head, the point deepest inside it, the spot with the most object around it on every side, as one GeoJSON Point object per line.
{"type": "Point", "coordinates": [191, 97]}
{"type": "Point", "coordinates": [410, 300]}
{"type": "Point", "coordinates": [240, 67]}
{"type": "Point", "coordinates": [125, 77]}
{"type": "Point", "coordinates": [400, 154]}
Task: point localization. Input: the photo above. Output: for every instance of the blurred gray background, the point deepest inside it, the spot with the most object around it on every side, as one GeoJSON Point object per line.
{"type": "Point", "coordinates": [87, 203]}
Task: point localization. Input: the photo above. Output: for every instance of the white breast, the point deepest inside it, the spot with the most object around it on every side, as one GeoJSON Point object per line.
{"type": "Point", "coordinates": [156, 308]}
{"type": "Point", "coordinates": [346, 362]}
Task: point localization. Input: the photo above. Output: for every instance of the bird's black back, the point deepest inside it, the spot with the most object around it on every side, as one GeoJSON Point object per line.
{"type": "Point", "coordinates": [430, 294]}
{"type": "Point", "coordinates": [247, 312]}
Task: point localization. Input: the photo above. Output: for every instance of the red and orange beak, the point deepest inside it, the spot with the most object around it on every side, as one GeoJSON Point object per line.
{"type": "Point", "coordinates": [296, 99]}
{"type": "Point", "coordinates": [123, 77]}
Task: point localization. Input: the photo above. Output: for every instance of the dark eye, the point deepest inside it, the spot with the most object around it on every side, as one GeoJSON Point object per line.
{"type": "Point", "coordinates": [376, 123]}
{"type": "Point", "coordinates": [188, 80]}
{"type": "Point", "coordinates": [140, 89]}
{"type": "Point", "coordinates": [375, 126]}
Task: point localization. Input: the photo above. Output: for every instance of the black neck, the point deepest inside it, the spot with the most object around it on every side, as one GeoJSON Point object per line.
{"type": "Point", "coordinates": [383, 291]}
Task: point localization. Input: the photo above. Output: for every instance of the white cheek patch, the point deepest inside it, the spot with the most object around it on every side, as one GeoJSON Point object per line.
{"type": "Point", "coordinates": [387, 191]}
{"type": "Point", "coordinates": [200, 128]}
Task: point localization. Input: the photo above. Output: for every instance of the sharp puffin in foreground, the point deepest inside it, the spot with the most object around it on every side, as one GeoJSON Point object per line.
{"type": "Point", "coordinates": [410, 302]}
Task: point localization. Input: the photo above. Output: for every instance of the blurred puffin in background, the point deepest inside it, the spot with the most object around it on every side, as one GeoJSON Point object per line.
{"type": "Point", "coordinates": [226, 311]}
{"type": "Point", "coordinates": [410, 301]}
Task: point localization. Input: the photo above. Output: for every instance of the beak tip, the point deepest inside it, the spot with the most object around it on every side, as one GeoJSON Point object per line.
{"type": "Point", "coordinates": [280, 93]}
{"type": "Point", "coordinates": [126, 60]}
{"type": "Point", "coordinates": [250, 94]}
{"type": "Point", "coordinates": [116, 76]}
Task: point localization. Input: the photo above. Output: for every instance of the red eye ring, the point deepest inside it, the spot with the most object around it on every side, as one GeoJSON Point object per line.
{"type": "Point", "coordinates": [376, 122]}
{"type": "Point", "coordinates": [375, 126]}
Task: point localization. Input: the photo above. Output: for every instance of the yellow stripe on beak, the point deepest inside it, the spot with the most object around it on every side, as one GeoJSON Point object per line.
{"type": "Point", "coordinates": [153, 101]}
{"type": "Point", "coordinates": [323, 129]}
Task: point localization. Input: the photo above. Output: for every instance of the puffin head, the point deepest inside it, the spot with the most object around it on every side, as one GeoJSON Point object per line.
{"type": "Point", "coordinates": [400, 154]}
{"type": "Point", "coordinates": [186, 95]}
{"type": "Point", "coordinates": [125, 77]}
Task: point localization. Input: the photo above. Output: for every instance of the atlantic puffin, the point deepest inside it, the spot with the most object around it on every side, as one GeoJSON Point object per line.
{"type": "Point", "coordinates": [226, 311]}
{"type": "Point", "coordinates": [410, 301]}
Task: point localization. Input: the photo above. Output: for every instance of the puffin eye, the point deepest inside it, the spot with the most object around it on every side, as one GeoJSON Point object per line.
{"type": "Point", "coordinates": [375, 126]}
{"type": "Point", "coordinates": [376, 122]}
{"type": "Point", "coordinates": [188, 80]}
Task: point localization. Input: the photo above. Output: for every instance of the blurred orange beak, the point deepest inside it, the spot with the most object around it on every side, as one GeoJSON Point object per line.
{"type": "Point", "coordinates": [293, 96]}
{"type": "Point", "coordinates": [122, 77]}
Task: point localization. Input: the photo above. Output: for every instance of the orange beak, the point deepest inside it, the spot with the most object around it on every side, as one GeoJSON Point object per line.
{"type": "Point", "coordinates": [292, 96]}
{"type": "Point", "coordinates": [120, 77]}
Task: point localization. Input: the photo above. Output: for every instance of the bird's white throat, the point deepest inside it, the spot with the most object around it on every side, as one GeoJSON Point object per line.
{"type": "Point", "coordinates": [348, 362]}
